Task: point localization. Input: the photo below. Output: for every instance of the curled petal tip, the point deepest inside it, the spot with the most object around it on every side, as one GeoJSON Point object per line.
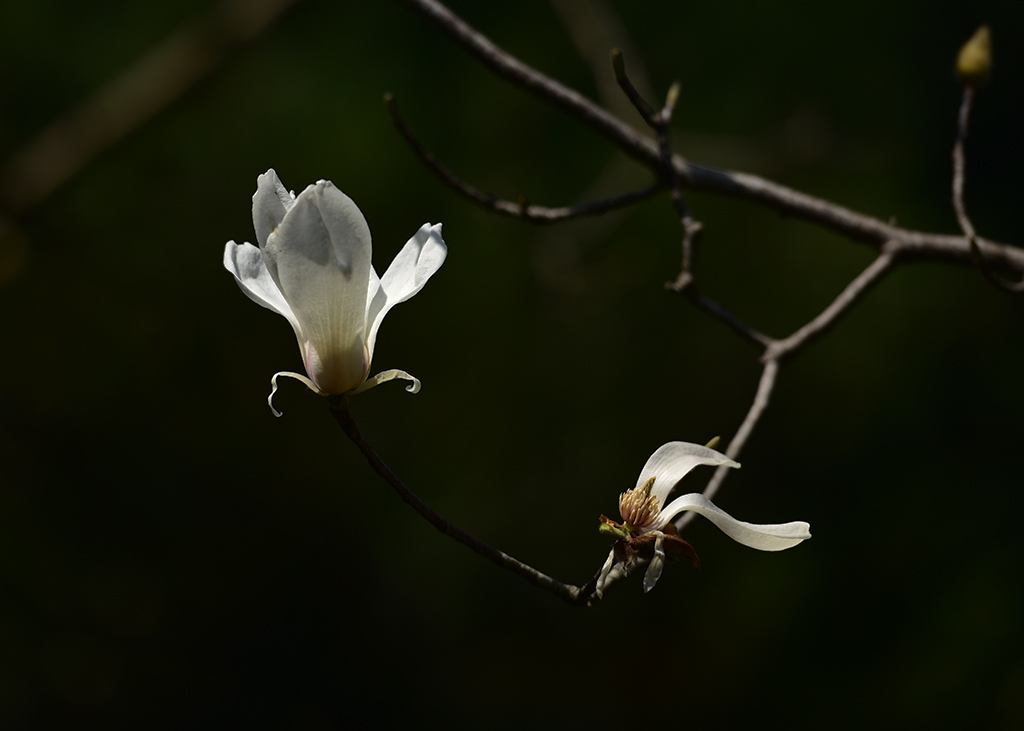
{"type": "Point", "coordinates": [298, 377]}
{"type": "Point", "coordinates": [657, 563]}
{"type": "Point", "coordinates": [389, 375]}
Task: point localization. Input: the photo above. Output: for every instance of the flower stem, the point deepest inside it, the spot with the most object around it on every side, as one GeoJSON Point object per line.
{"type": "Point", "coordinates": [576, 595]}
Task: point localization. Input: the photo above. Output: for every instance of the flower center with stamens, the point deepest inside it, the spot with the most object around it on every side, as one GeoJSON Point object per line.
{"type": "Point", "coordinates": [638, 508]}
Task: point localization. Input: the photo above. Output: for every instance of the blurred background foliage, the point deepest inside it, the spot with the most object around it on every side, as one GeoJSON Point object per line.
{"type": "Point", "coordinates": [170, 553]}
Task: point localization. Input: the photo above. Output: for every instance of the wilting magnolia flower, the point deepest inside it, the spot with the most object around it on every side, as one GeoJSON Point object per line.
{"type": "Point", "coordinates": [647, 530]}
{"type": "Point", "coordinates": [313, 267]}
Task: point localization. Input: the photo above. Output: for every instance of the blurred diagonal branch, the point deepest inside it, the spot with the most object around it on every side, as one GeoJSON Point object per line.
{"type": "Point", "coordinates": [130, 99]}
{"type": "Point", "coordinates": [594, 27]}
{"type": "Point", "coordinates": [959, 176]}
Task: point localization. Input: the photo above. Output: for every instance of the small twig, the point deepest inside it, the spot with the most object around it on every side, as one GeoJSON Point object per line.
{"type": "Point", "coordinates": [520, 210]}
{"type": "Point", "coordinates": [647, 112]}
{"type": "Point", "coordinates": [959, 165]}
{"type": "Point", "coordinates": [757, 408]}
{"type": "Point", "coordinates": [716, 310]}
{"type": "Point", "coordinates": [575, 595]}
{"type": "Point", "coordinates": [659, 121]}
{"type": "Point", "coordinates": [828, 317]}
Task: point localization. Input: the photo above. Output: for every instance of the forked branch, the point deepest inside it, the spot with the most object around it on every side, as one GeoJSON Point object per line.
{"type": "Point", "coordinates": [831, 216]}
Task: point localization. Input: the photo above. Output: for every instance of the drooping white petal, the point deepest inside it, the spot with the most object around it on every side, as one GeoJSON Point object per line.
{"type": "Point", "coordinates": [605, 573]}
{"type": "Point", "coordinates": [657, 563]}
{"type": "Point", "coordinates": [269, 204]}
{"type": "Point", "coordinates": [321, 252]}
{"type": "Point", "coordinates": [246, 262]}
{"type": "Point", "coordinates": [670, 463]}
{"type": "Point", "coordinates": [761, 537]}
{"type": "Point", "coordinates": [421, 256]}
{"type": "Point", "coordinates": [389, 375]}
{"type": "Point", "coordinates": [298, 377]}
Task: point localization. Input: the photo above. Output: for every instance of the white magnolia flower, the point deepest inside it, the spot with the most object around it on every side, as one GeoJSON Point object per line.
{"type": "Point", "coordinates": [313, 266]}
{"type": "Point", "coordinates": [647, 518]}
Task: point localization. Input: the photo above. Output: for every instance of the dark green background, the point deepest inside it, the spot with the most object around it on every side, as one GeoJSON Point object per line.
{"type": "Point", "coordinates": [171, 554]}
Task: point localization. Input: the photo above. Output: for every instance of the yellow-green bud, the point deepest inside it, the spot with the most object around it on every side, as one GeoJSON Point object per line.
{"type": "Point", "coordinates": [613, 529]}
{"type": "Point", "coordinates": [974, 63]}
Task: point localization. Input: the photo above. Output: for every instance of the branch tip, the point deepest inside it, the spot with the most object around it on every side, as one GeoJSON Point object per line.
{"type": "Point", "coordinates": [391, 105]}
{"type": "Point", "coordinates": [974, 62]}
{"type": "Point", "coordinates": [672, 96]}
{"type": "Point", "coordinates": [618, 65]}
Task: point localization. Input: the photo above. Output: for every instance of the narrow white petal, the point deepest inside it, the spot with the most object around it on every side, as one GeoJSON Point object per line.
{"type": "Point", "coordinates": [657, 563]}
{"type": "Point", "coordinates": [390, 375]}
{"type": "Point", "coordinates": [246, 262]}
{"type": "Point", "coordinates": [421, 256]}
{"type": "Point", "coordinates": [761, 537]}
{"type": "Point", "coordinates": [670, 463]}
{"type": "Point", "coordinates": [269, 204]}
{"type": "Point", "coordinates": [298, 377]}
{"type": "Point", "coordinates": [602, 578]}
{"type": "Point", "coordinates": [321, 253]}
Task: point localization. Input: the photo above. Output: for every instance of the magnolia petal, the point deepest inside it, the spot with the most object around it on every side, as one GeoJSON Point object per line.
{"type": "Point", "coordinates": [671, 462]}
{"type": "Point", "coordinates": [321, 254]}
{"type": "Point", "coordinates": [421, 256]}
{"type": "Point", "coordinates": [245, 261]}
{"type": "Point", "coordinates": [762, 537]}
{"type": "Point", "coordinates": [298, 377]}
{"type": "Point", "coordinates": [390, 375]}
{"type": "Point", "coordinates": [269, 204]}
{"type": "Point", "coordinates": [657, 563]}
{"type": "Point", "coordinates": [602, 577]}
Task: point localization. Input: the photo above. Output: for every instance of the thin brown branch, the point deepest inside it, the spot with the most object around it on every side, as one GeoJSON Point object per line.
{"type": "Point", "coordinates": [828, 317]}
{"type": "Point", "coordinates": [757, 408]}
{"type": "Point", "coordinates": [855, 226]}
{"type": "Point", "coordinates": [575, 595]}
{"type": "Point", "coordinates": [520, 210]}
{"type": "Point", "coordinates": [959, 176]}
{"type": "Point", "coordinates": [777, 350]}
{"type": "Point", "coordinates": [959, 163]}
{"type": "Point", "coordinates": [516, 72]}
{"type": "Point", "coordinates": [647, 112]}
{"type": "Point", "coordinates": [659, 121]}
{"type": "Point", "coordinates": [130, 99]}
{"type": "Point", "coordinates": [717, 311]}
